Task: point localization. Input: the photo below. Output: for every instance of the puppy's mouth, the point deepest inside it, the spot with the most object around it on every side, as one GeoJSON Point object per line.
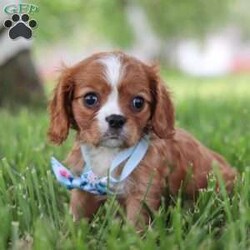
{"type": "Point", "coordinates": [113, 139]}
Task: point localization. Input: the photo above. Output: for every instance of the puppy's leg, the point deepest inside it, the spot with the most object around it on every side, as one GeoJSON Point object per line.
{"type": "Point", "coordinates": [137, 209]}
{"type": "Point", "coordinates": [145, 198]}
{"type": "Point", "coordinates": [83, 204]}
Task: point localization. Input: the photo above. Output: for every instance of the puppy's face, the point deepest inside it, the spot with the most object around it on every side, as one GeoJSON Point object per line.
{"type": "Point", "coordinates": [111, 100]}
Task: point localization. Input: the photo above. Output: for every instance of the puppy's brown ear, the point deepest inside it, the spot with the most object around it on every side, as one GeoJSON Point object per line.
{"type": "Point", "coordinates": [60, 108]}
{"type": "Point", "coordinates": [163, 114]}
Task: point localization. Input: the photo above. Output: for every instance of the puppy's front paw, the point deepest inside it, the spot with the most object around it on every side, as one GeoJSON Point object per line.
{"type": "Point", "coordinates": [77, 202]}
{"type": "Point", "coordinates": [83, 205]}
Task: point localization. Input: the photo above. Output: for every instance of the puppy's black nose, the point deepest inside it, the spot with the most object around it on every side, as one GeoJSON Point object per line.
{"type": "Point", "coordinates": [116, 121]}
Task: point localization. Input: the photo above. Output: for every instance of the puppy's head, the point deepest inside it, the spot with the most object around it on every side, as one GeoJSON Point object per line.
{"type": "Point", "coordinates": [112, 100]}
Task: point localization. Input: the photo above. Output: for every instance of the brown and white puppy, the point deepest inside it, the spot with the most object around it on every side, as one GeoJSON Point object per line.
{"type": "Point", "coordinates": [112, 100]}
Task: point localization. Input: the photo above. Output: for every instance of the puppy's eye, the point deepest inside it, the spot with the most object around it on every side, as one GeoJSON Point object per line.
{"type": "Point", "coordinates": [90, 100]}
{"type": "Point", "coordinates": [137, 103]}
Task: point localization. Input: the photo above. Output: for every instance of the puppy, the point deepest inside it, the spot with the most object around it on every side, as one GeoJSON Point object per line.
{"type": "Point", "coordinates": [112, 100]}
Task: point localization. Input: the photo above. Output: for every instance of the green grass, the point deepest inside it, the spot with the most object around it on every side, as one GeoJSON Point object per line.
{"type": "Point", "coordinates": [34, 208]}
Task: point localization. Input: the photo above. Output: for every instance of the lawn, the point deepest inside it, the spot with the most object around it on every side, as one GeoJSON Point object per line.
{"type": "Point", "coordinates": [34, 208]}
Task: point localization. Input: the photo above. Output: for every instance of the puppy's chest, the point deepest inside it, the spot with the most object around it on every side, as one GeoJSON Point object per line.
{"type": "Point", "coordinates": [101, 159]}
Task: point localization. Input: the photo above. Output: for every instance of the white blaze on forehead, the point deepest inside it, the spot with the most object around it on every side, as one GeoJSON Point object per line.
{"type": "Point", "coordinates": [112, 73]}
{"type": "Point", "coordinates": [111, 106]}
{"type": "Point", "coordinates": [113, 69]}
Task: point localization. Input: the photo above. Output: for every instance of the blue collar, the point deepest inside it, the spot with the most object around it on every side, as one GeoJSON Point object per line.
{"type": "Point", "coordinates": [90, 182]}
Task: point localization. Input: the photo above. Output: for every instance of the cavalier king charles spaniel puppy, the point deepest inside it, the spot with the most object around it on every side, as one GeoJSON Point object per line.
{"type": "Point", "coordinates": [112, 100]}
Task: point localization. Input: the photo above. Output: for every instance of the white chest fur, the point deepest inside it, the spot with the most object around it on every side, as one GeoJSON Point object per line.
{"type": "Point", "coordinates": [101, 158]}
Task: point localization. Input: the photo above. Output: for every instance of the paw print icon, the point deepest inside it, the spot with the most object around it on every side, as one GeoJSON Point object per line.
{"type": "Point", "coordinates": [20, 26]}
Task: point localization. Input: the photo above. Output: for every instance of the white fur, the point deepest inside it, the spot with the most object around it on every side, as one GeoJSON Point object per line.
{"type": "Point", "coordinates": [100, 161]}
{"type": "Point", "coordinates": [113, 69]}
{"type": "Point", "coordinates": [101, 158]}
{"type": "Point", "coordinates": [110, 107]}
{"type": "Point", "coordinates": [112, 72]}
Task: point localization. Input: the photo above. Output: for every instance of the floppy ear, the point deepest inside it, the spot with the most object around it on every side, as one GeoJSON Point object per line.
{"type": "Point", "coordinates": [60, 108]}
{"type": "Point", "coordinates": [163, 114]}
